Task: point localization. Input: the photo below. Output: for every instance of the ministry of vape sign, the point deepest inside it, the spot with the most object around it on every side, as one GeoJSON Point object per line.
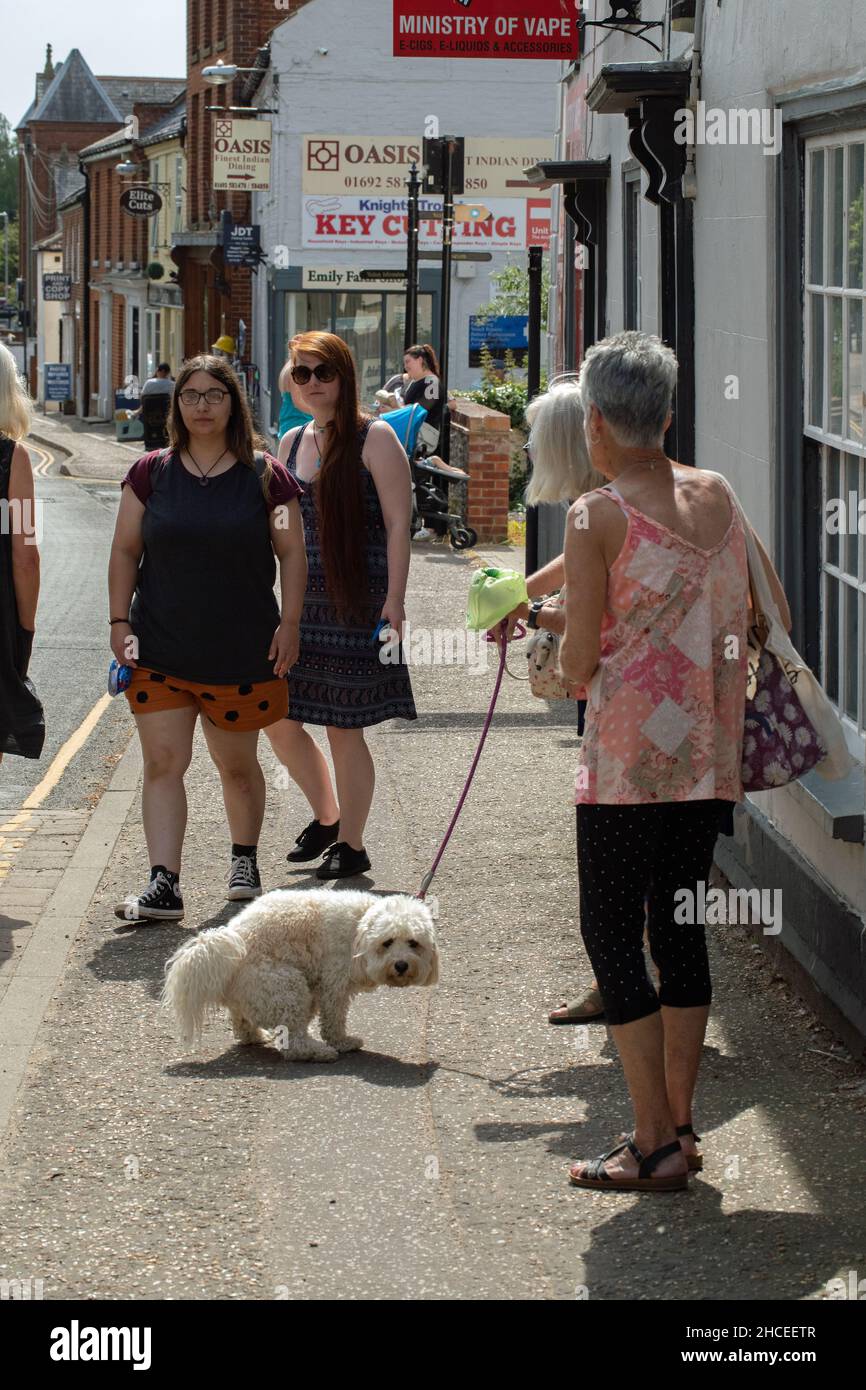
{"type": "Point", "coordinates": [486, 29]}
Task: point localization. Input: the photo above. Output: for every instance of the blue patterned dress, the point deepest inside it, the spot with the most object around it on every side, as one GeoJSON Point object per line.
{"type": "Point", "coordinates": [338, 678]}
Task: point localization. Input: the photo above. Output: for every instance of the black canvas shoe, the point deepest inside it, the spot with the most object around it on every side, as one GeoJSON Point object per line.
{"type": "Point", "coordinates": [244, 880]}
{"type": "Point", "coordinates": [160, 902]}
{"type": "Point", "coordinates": [313, 841]}
{"type": "Point", "coordinates": [343, 862]}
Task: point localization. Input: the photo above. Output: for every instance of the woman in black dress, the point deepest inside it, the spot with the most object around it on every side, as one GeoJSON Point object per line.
{"type": "Point", "coordinates": [22, 726]}
{"type": "Point", "coordinates": [356, 506]}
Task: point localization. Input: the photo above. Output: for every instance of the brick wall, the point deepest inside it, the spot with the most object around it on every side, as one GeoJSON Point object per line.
{"type": "Point", "coordinates": [481, 444]}
{"type": "Point", "coordinates": [118, 340]}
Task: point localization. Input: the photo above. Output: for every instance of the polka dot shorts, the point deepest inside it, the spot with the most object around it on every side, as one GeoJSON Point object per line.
{"type": "Point", "coordinates": [243, 708]}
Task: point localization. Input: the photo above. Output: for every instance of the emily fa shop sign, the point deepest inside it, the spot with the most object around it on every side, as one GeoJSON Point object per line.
{"type": "Point", "coordinates": [486, 29]}
{"type": "Point", "coordinates": [339, 212]}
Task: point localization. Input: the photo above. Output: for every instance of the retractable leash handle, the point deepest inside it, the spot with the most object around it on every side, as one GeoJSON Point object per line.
{"type": "Point", "coordinates": [503, 647]}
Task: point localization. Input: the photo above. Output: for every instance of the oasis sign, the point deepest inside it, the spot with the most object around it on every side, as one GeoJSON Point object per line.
{"type": "Point", "coordinates": [242, 155]}
{"type": "Point", "coordinates": [486, 29]}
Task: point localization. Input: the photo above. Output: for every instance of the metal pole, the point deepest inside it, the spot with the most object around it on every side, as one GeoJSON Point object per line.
{"type": "Point", "coordinates": [5, 215]}
{"type": "Point", "coordinates": [445, 304]}
{"type": "Point", "coordinates": [533, 386]}
{"type": "Point", "coordinates": [411, 332]}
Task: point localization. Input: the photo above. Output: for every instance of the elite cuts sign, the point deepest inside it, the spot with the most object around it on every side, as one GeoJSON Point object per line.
{"type": "Point", "coordinates": [242, 155]}
{"type": "Point", "coordinates": [486, 29]}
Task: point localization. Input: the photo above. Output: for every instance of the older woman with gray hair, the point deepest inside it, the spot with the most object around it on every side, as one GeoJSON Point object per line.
{"type": "Point", "coordinates": [657, 586]}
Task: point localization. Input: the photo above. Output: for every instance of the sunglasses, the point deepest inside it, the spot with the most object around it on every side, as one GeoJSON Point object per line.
{"type": "Point", "coordinates": [324, 372]}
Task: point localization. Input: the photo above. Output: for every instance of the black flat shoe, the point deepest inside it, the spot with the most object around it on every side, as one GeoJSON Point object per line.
{"type": "Point", "coordinates": [313, 841]}
{"type": "Point", "coordinates": [342, 861]}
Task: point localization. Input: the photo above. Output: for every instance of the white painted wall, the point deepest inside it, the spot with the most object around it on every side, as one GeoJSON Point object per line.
{"type": "Point", "coordinates": [358, 88]}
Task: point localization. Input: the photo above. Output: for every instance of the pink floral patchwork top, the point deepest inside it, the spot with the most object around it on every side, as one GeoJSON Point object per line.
{"type": "Point", "coordinates": [664, 717]}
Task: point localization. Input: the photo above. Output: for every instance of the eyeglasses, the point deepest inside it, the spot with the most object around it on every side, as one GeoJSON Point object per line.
{"type": "Point", "coordinates": [213, 396]}
{"type": "Point", "coordinates": [324, 372]}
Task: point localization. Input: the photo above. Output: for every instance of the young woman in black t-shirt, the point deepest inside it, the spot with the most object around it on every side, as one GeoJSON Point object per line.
{"type": "Point", "coordinates": [193, 611]}
{"type": "Point", "coordinates": [424, 386]}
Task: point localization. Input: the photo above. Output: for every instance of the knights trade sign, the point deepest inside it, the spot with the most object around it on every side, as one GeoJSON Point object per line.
{"type": "Point", "coordinates": [486, 29]}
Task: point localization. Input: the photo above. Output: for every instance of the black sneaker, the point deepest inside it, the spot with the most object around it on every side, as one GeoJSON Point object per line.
{"type": "Point", "coordinates": [160, 902]}
{"type": "Point", "coordinates": [313, 841]}
{"type": "Point", "coordinates": [244, 880]}
{"type": "Point", "coordinates": [343, 862]}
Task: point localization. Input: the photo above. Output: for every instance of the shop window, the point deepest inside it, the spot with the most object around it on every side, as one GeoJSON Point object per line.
{"type": "Point", "coordinates": [835, 406]}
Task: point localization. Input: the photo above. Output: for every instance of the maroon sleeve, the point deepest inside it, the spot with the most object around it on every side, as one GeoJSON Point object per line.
{"type": "Point", "coordinates": [139, 476]}
{"type": "Point", "coordinates": [283, 486]}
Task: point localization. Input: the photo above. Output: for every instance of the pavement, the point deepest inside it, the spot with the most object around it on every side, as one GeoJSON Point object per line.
{"type": "Point", "coordinates": [431, 1165]}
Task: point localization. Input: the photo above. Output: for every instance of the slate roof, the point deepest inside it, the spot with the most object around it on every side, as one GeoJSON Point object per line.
{"type": "Point", "coordinates": [158, 90]}
{"type": "Point", "coordinates": [75, 96]}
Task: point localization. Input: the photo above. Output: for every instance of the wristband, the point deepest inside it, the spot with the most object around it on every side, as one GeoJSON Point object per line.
{"type": "Point", "coordinates": [112, 621]}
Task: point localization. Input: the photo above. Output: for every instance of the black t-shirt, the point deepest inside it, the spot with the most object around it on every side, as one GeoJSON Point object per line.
{"type": "Point", "coordinates": [204, 606]}
{"type": "Point", "coordinates": [426, 391]}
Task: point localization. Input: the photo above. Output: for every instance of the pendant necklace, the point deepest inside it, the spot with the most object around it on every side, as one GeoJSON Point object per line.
{"type": "Point", "coordinates": [318, 450]}
{"type": "Point", "coordinates": [205, 477]}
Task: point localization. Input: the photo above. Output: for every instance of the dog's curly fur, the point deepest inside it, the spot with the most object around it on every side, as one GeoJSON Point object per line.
{"type": "Point", "coordinates": [293, 954]}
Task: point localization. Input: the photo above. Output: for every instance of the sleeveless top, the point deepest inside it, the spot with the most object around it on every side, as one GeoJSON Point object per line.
{"type": "Point", "coordinates": [22, 722]}
{"type": "Point", "coordinates": [665, 708]}
{"type": "Point", "coordinates": [204, 606]}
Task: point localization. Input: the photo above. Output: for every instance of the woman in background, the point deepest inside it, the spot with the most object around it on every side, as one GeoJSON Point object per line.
{"type": "Point", "coordinates": [22, 725]}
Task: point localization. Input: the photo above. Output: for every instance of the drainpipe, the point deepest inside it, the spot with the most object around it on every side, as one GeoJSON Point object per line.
{"type": "Point", "coordinates": [85, 288]}
{"type": "Point", "coordinates": [690, 182]}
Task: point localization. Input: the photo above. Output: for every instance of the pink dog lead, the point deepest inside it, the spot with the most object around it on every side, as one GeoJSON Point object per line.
{"type": "Point", "coordinates": [503, 647]}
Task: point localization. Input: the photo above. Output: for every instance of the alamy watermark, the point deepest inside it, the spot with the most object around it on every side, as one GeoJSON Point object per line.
{"type": "Point", "coordinates": [22, 517]}
{"type": "Point", "coordinates": [736, 126]}
{"type": "Point", "coordinates": [735, 906]}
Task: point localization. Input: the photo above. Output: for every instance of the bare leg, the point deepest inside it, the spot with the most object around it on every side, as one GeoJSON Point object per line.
{"type": "Point", "coordinates": [684, 1032]}
{"type": "Point", "coordinates": [166, 744]}
{"type": "Point", "coordinates": [242, 780]}
{"type": "Point", "coordinates": [355, 775]}
{"type": "Point", "coordinates": [306, 765]}
{"type": "Point", "coordinates": [641, 1048]}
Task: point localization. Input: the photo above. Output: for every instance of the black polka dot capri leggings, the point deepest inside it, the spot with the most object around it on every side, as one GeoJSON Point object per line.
{"type": "Point", "coordinates": [631, 860]}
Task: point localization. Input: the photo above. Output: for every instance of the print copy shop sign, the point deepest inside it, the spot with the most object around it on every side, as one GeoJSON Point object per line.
{"type": "Point", "coordinates": [486, 29]}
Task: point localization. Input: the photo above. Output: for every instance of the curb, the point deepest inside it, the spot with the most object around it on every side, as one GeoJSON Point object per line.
{"type": "Point", "coordinates": [44, 958]}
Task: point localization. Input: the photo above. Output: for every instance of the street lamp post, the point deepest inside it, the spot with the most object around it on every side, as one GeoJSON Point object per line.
{"type": "Point", "coordinates": [5, 217]}
{"type": "Point", "coordinates": [445, 298]}
{"type": "Point", "coordinates": [411, 332]}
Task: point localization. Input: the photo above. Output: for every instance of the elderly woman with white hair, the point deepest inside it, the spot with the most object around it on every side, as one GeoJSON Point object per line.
{"type": "Point", "coordinates": [22, 726]}
{"type": "Point", "coordinates": [657, 588]}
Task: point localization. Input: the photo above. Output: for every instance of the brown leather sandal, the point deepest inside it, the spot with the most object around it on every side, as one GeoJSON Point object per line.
{"type": "Point", "coordinates": [695, 1161]}
{"type": "Point", "coordinates": [597, 1177]}
{"type": "Point", "coordinates": [589, 1008]}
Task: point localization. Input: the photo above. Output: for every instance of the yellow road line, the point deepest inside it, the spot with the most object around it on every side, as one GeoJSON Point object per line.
{"type": "Point", "coordinates": [64, 756]}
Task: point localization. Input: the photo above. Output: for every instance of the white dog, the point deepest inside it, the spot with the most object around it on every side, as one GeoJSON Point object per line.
{"type": "Point", "coordinates": [293, 954]}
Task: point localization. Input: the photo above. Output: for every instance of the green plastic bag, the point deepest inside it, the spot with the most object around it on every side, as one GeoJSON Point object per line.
{"type": "Point", "coordinates": [493, 593]}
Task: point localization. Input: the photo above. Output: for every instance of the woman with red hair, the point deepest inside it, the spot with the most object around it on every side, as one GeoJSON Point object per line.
{"type": "Point", "coordinates": [356, 505]}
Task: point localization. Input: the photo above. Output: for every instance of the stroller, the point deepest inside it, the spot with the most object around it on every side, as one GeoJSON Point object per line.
{"type": "Point", "coordinates": [430, 483]}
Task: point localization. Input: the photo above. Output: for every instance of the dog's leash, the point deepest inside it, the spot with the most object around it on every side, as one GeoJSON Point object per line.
{"type": "Point", "coordinates": [503, 648]}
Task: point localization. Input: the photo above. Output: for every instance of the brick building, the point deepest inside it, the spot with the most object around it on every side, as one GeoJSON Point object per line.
{"type": "Point", "coordinates": [234, 33]}
{"type": "Point", "coordinates": [72, 108]}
